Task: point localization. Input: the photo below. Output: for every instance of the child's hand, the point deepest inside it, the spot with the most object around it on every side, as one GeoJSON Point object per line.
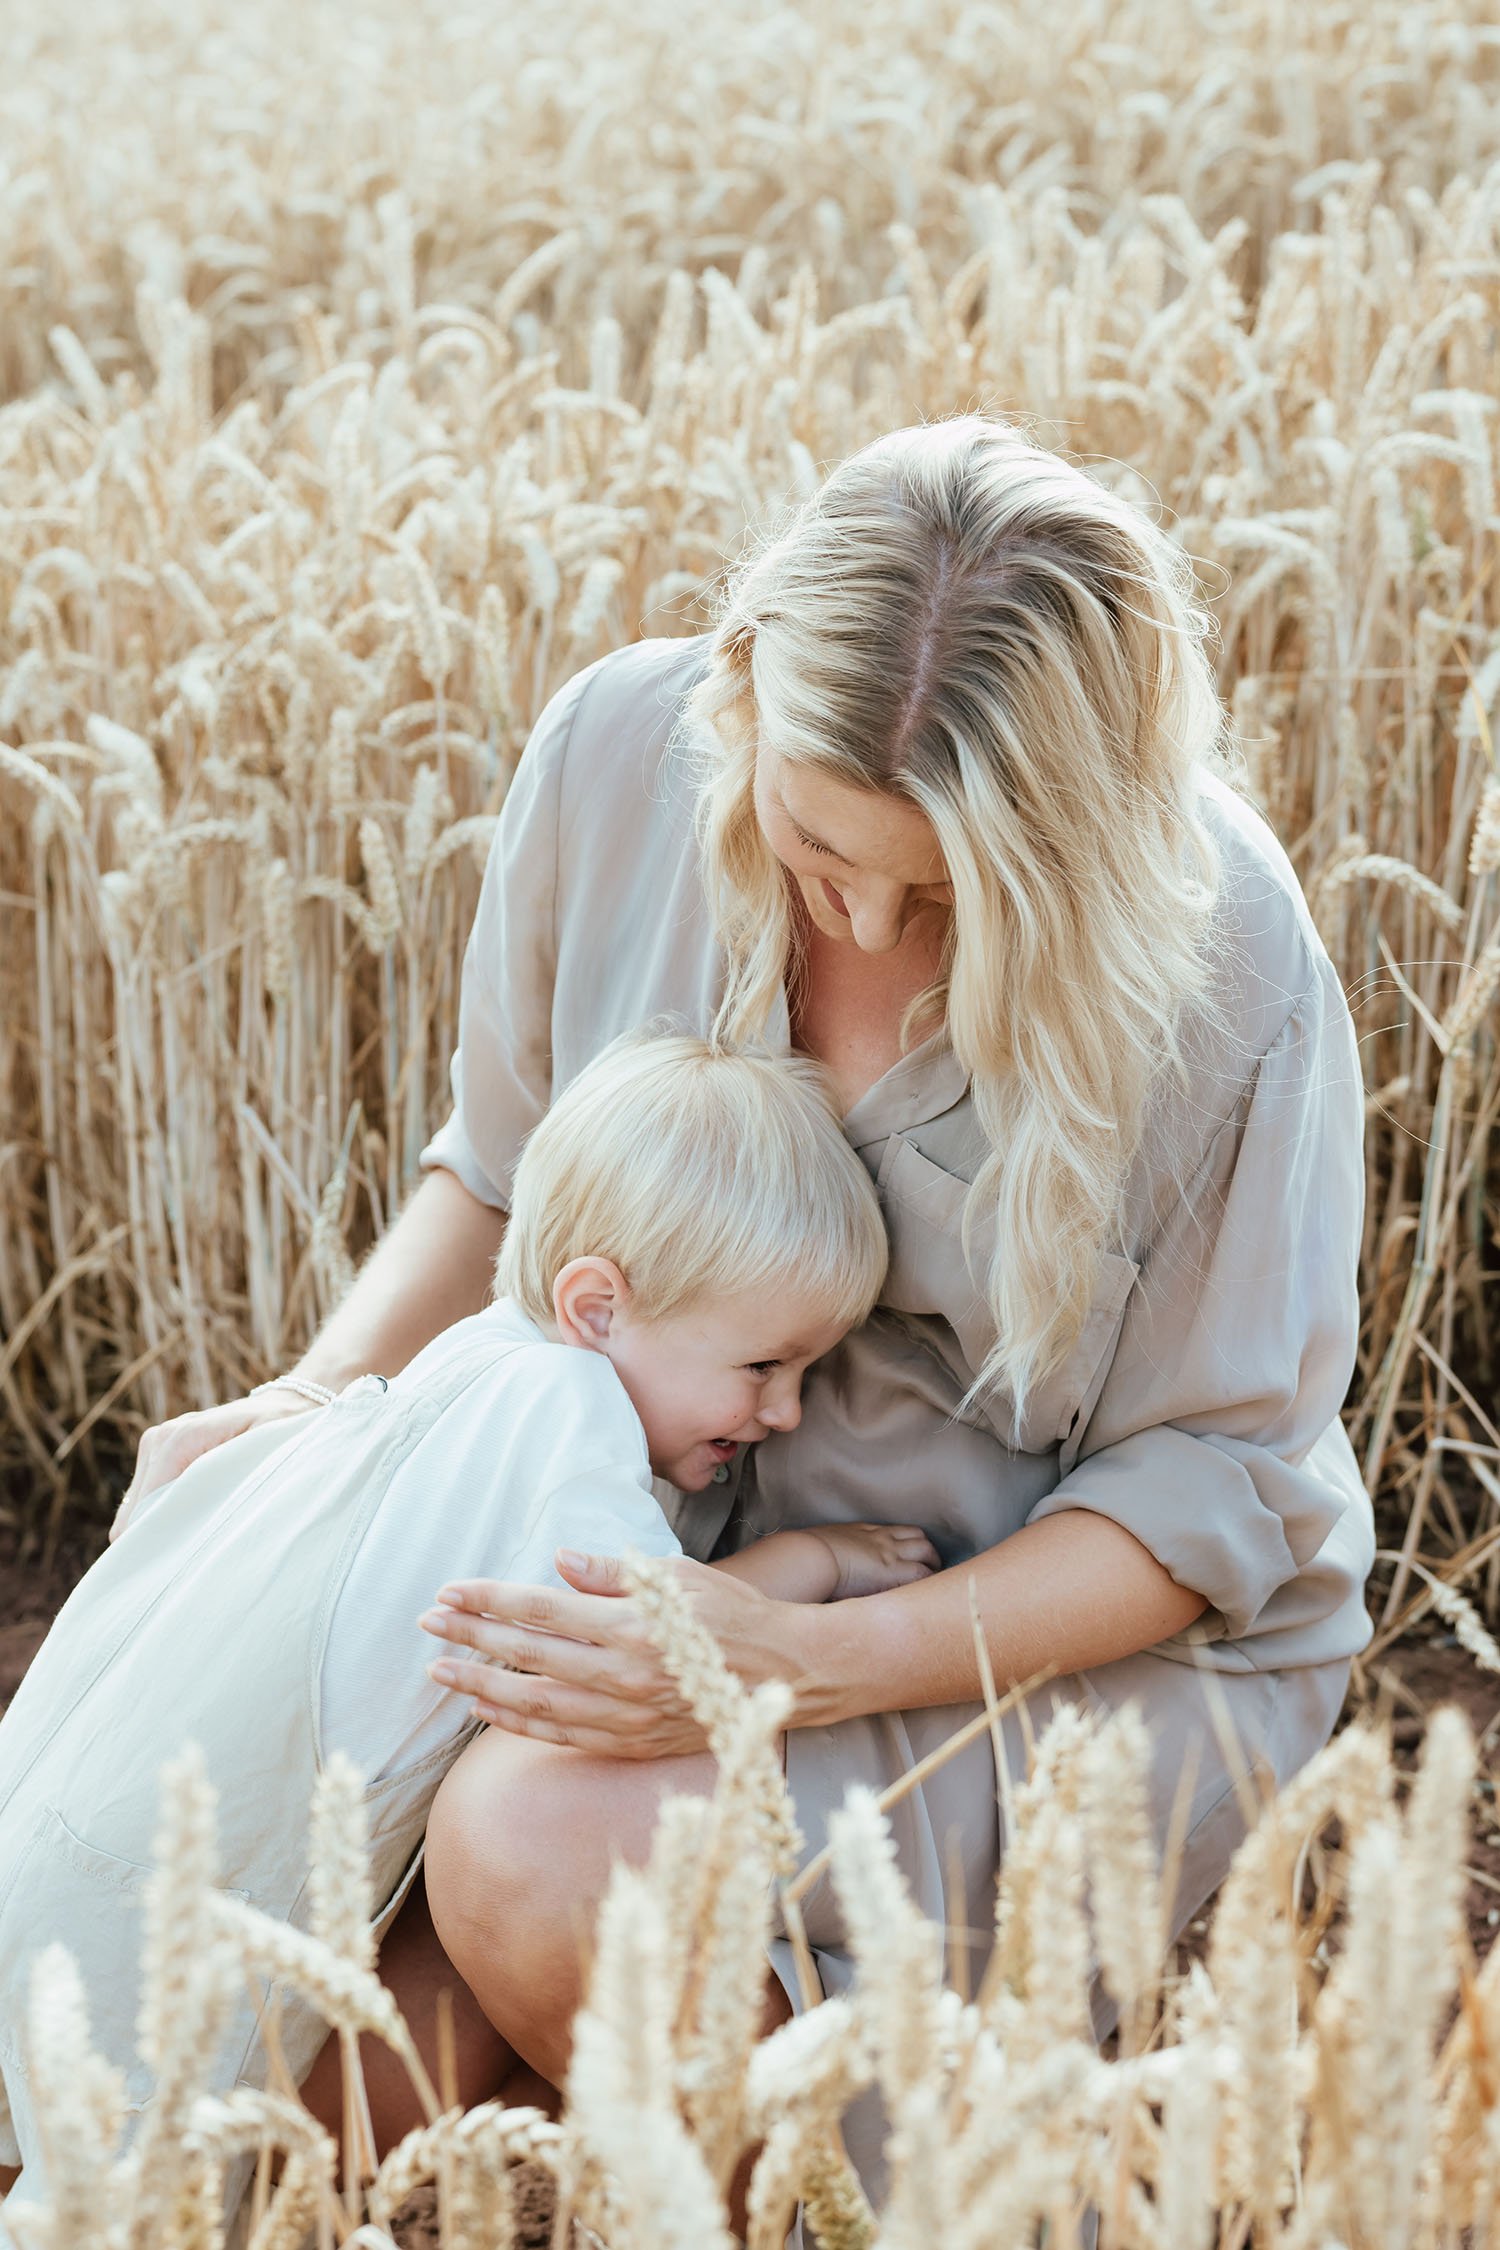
{"type": "Point", "coordinates": [872, 1557]}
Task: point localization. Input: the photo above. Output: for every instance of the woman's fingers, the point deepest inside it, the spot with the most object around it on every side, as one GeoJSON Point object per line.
{"type": "Point", "coordinates": [681, 1742]}
{"type": "Point", "coordinates": [554, 1710]}
{"type": "Point", "coordinates": [541, 1655]}
{"type": "Point", "coordinates": [592, 1574]}
{"type": "Point", "coordinates": [167, 1448]}
{"type": "Point", "coordinates": [464, 1608]}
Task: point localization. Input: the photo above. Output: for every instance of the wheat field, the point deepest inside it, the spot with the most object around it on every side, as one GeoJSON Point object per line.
{"type": "Point", "coordinates": [361, 388]}
{"type": "Point", "coordinates": [361, 378]}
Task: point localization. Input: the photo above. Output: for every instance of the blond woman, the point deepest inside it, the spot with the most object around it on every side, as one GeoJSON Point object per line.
{"type": "Point", "coordinates": [943, 800]}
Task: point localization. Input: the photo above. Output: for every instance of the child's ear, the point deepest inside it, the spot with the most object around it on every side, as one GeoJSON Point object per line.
{"type": "Point", "coordinates": [587, 1296]}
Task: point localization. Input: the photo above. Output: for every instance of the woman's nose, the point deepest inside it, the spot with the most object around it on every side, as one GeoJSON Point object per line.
{"type": "Point", "coordinates": [877, 922]}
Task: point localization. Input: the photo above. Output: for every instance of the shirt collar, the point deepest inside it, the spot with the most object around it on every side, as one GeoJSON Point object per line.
{"type": "Point", "coordinates": [921, 1085]}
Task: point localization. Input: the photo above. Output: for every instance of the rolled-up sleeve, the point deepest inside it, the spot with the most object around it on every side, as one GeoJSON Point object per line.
{"type": "Point", "coordinates": [501, 1071]}
{"type": "Point", "coordinates": [1239, 1336]}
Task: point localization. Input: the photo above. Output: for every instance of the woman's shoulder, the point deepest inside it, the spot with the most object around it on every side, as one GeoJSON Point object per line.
{"type": "Point", "coordinates": [602, 767]}
{"type": "Point", "coordinates": [639, 670]}
{"type": "Point", "coordinates": [623, 709]}
{"type": "Point", "coordinates": [1269, 955]}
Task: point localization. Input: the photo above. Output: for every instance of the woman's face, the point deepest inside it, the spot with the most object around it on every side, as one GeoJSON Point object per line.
{"type": "Point", "coordinates": [867, 865]}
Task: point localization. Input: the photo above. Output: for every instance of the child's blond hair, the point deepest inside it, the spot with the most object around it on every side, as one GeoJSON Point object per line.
{"type": "Point", "coordinates": [701, 1171]}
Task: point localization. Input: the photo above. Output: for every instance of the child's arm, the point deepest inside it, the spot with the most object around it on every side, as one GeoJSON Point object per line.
{"type": "Point", "coordinates": [834, 1561]}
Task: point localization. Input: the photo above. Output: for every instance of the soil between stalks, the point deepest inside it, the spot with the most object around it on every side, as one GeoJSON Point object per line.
{"type": "Point", "coordinates": [415, 2225]}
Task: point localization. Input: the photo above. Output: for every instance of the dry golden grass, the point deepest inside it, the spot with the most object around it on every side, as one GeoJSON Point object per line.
{"type": "Point", "coordinates": [365, 382]}
{"type": "Point", "coordinates": [1327, 2079]}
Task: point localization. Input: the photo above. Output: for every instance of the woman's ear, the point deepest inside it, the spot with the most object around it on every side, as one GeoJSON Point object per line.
{"type": "Point", "coordinates": [587, 1298]}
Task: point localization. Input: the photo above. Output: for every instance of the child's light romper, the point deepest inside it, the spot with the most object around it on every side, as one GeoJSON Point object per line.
{"type": "Point", "coordinates": [120, 1685]}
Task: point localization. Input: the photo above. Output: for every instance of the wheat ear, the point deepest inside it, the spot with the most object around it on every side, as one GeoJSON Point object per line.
{"type": "Point", "coordinates": [79, 2103]}
{"type": "Point", "coordinates": [188, 1984]}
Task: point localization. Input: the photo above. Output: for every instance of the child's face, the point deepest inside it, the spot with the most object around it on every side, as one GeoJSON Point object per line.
{"type": "Point", "coordinates": [704, 1382]}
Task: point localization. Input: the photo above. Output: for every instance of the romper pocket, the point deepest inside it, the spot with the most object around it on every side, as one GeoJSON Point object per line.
{"type": "Point", "coordinates": [929, 1278]}
{"type": "Point", "coordinates": [64, 1890]}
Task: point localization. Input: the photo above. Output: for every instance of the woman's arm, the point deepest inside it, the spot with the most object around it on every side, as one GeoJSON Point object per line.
{"type": "Point", "coordinates": [1061, 1595]}
{"type": "Point", "coordinates": [1057, 1596]}
{"type": "Point", "coordinates": [432, 1268]}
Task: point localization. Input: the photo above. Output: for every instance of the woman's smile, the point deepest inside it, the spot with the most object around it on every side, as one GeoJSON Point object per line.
{"type": "Point", "coordinates": [835, 899]}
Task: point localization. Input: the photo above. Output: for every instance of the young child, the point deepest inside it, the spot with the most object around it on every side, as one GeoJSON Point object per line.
{"type": "Point", "coordinates": [689, 1230]}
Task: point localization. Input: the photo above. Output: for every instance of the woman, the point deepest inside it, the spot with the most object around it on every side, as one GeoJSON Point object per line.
{"type": "Point", "coordinates": [942, 801]}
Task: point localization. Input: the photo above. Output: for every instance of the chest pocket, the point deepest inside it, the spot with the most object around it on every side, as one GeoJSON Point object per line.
{"type": "Point", "coordinates": [929, 1279]}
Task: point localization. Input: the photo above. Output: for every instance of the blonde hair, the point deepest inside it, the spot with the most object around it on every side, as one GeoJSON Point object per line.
{"type": "Point", "coordinates": [963, 620]}
{"type": "Point", "coordinates": [701, 1172]}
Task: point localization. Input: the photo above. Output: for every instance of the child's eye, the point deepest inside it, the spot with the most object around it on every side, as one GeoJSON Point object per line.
{"type": "Point", "coordinates": [762, 1366]}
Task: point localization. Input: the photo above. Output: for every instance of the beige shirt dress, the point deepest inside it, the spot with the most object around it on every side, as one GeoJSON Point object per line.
{"type": "Point", "coordinates": [1200, 1405]}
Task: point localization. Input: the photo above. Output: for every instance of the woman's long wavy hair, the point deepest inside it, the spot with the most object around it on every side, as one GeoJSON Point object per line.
{"type": "Point", "coordinates": [968, 622]}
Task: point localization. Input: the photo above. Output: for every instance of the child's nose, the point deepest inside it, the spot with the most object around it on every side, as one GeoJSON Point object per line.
{"type": "Point", "coordinates": [782, 1411]}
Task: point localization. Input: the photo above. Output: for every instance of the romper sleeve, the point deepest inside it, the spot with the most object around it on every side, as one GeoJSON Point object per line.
{"type": "Point", "coordinates": [1239, 1336]}
{"type": "Point", "coordinates": [501, 1071]}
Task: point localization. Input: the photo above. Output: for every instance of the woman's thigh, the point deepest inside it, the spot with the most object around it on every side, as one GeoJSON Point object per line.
{"type": "Point", "coordinates": [523, 1834]}
{"type": "Point", "coordinates": [1223, 1740]}
{"type": "Point", "coordinates": [1220, 1743]}
{"type": "Point", "coordinates": [509, 1803]}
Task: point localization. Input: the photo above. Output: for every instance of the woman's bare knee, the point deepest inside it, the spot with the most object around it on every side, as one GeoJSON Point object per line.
{"type": "Point", "coordinates": [520, 1842]}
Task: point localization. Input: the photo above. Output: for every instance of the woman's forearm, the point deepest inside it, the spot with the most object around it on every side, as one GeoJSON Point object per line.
{"type": "Point", "coordinates": [1067, 1593]}
{"type": "Point", "coordinates": [432, 1268]}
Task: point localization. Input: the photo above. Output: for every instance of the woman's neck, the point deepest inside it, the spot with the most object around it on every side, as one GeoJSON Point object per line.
{"type": "Point", "coordinates": [846, 1006]}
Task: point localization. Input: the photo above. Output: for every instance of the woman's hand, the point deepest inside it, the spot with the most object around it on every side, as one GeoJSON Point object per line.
{"type": "Point", "coordinates": [575, 1664]}
{"type": "Point", "coordinates": [167, 1448]}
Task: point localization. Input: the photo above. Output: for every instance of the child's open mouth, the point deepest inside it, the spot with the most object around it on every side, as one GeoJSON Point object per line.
{"type": "Point", "coordinates": [724, 1447]}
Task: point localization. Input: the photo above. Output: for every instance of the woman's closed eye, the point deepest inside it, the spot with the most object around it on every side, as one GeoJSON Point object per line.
{"type": "Point", "coordinates": [814, 846]}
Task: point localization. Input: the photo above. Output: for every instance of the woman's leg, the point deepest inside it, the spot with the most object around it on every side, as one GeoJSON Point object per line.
{"type": "Point", "coordinates": [416, 1970]}
{"type": "Point", "coordinates": [520, 1842]}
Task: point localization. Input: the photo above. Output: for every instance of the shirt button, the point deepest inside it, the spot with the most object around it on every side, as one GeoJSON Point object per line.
{"type": "Point", "coordinates": [721, 1473]}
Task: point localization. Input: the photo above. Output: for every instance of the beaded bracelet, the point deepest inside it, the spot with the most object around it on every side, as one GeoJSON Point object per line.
{"type": "Point", "coordinates": [318, 1393]}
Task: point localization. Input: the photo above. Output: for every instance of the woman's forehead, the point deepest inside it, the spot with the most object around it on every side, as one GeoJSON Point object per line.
{"type": "Point", "coordinates": [864, 827]}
